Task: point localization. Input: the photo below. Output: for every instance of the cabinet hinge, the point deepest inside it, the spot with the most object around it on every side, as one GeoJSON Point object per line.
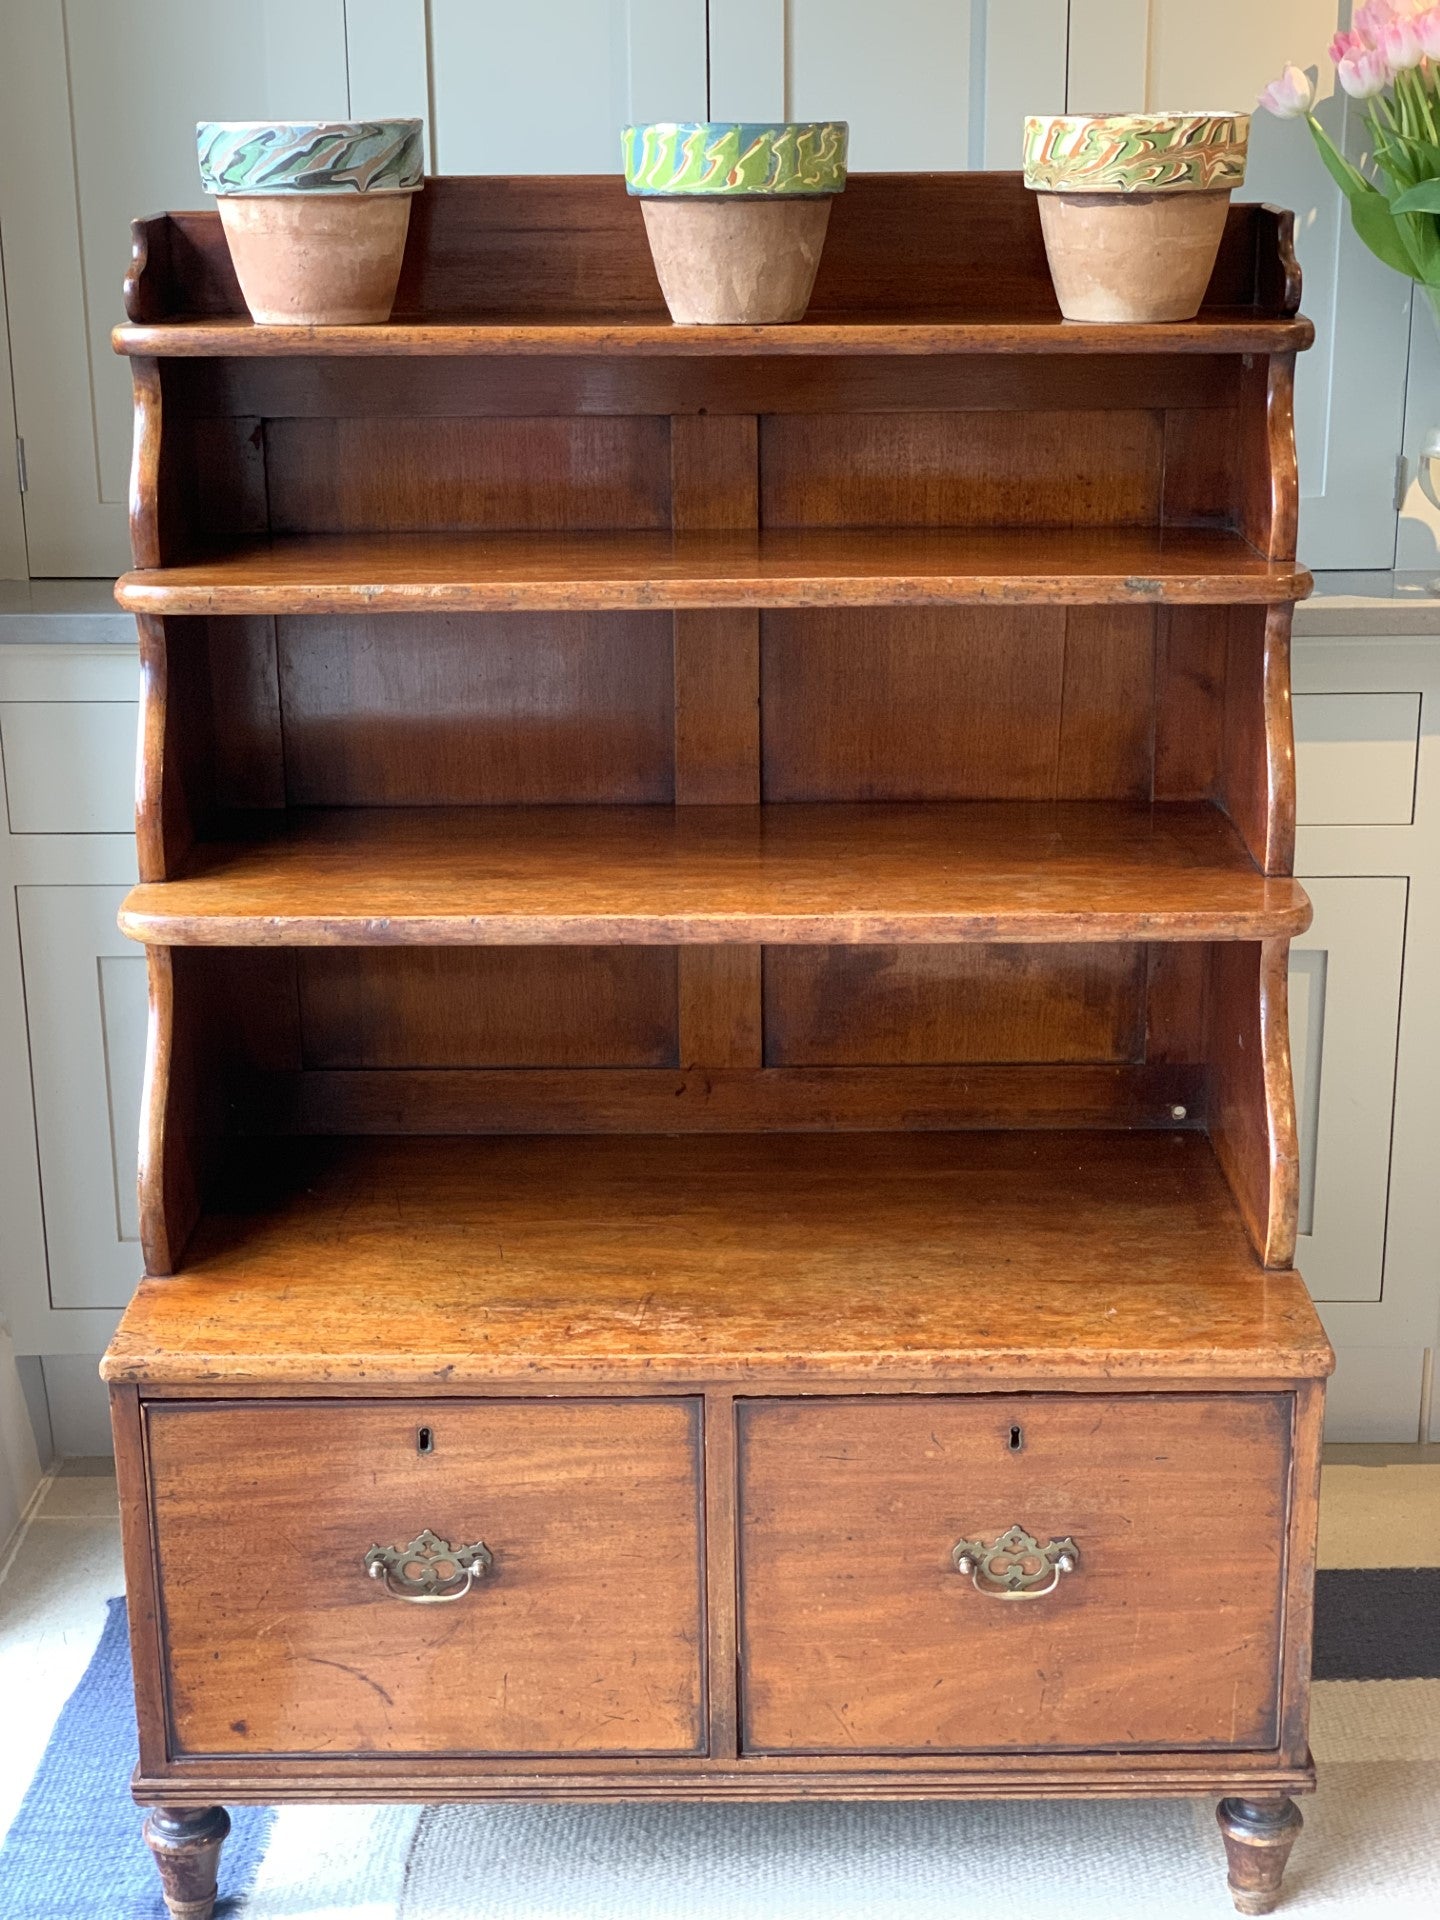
{"type": "Point", "coordinates": [1402, 480]}
{"type": "Point", "coordinates": [21, 471]}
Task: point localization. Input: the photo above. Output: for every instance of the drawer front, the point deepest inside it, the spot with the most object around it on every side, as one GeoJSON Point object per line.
{"type": "Point", "coordinates": [860, 1634]}
{"type": "Point", "coordinates": [581, 1636]}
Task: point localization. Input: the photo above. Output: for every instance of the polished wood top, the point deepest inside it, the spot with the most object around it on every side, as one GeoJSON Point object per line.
{"type": "Point", "coordinates": [1013, 871]}
{"type": "Point", "coordinates": [467, 572]}
{"type": "Point", "coordinates": [235, 336]}
{"type": "Point", "coordinates": [924, 1257]}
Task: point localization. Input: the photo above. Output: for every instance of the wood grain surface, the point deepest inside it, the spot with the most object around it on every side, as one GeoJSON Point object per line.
{"type": "Point", "coordinates": [910, 1257]}
{"type": "Point", "coordinates": [921, 1005]}
{"type": "Point", "coordinates": [802, 874]}
{"type": "Point", "coordinates": [592, 1513]}
{"type": "Point", "coordinates": [459, 573]}
{"type": "Point", "coordinates": [932, 249]}
{"type": "Point", "coordinates": [515, 1007]}
{"type": "Point", "coordinates": [858, 1633]}
{"type": "Point", "coordinates": [503, 708]}
{"type": "Point", "coordinates": [1221, 330]}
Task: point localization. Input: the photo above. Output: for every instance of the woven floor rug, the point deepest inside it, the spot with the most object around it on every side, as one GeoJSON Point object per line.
{"type": "Point", "coordinates": [1371, 1845]}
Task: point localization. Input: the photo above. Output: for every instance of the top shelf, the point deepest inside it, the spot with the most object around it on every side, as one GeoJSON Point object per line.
{"type": "Point", "coordinates": [914, 264]}
{"type": "Point", "coordinates": [652, 336]}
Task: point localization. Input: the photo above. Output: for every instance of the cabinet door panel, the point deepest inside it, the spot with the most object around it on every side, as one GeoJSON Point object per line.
{"type": "Point", "coordinates": [1344, 1020]}
{"type": "Point", "coordinates": [69, 765]}
{"type": "Point", "coordinates": [1355, 758]}
{"type": "Point", "coordinates": [86, 1002]}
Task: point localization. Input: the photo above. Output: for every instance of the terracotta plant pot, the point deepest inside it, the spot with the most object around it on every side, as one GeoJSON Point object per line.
{"type": "Point", "coordinates": [315, 214]}
{"type": "Point", "coordinates": [736, 214]}
{"type": "Point", "coordinates": [1133, 207]}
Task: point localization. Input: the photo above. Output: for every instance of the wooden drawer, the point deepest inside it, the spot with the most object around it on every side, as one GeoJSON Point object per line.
{"type": "Point", "coordinates": [584, 1635]}
{"type": "Point", "coordinates": [859, 1634]}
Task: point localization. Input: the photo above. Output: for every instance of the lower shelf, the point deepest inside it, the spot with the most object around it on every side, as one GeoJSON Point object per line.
{"type": "Point", "coordinates": [1034, 1255]}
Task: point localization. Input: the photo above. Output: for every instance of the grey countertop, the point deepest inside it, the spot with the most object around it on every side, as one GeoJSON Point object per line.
{"type": "Point", "coordinates": [62, 612]}
{"type": "Point", "coordinates": [1345, 604]}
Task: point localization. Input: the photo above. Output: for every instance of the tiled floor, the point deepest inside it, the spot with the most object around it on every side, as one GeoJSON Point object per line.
{"type": "Point", "coordinates": [66, 1564]}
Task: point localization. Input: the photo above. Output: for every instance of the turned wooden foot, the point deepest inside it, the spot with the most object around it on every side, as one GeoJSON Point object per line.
{"type": "Point", "coordinates": [1258, 1837]}
{"type": "Point", "coordinates": [186, 1843]}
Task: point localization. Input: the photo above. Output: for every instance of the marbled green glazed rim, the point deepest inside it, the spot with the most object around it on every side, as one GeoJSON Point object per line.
{"type": "Point", "coordinates": [310, 156]}
{"type": "Point", "coordinates": [1135, 152]}
{"type": "Point", "coordinates": [735, 159]}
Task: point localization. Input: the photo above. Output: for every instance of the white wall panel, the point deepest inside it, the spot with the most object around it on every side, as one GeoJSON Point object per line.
{"type": "Point", "coordinates": [387, 49]}
{"type": "Point", "coordinates": [1345, 977]}
{"type": "Point", "coordinates": [899, 73]}
{"type": "Point", "coordinates": [14, 564]}
{"type": "Point", "coordinates": [98, 104]}
{"type": "Point", "coordinates": [923, 87]}
{"type": "Point", "coordinates": [1024, 49]}
{"type": "Point", "coordinates": [528, 89]}
{"type": "Point", "coordinates": [85, 998]}
{"type": "Point", "coordinates": [747, 59]}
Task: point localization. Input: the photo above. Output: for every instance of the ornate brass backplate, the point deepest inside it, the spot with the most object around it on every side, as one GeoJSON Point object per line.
{"type": "Point", "coordinates": [1016, 1566]}
{"type": "Point", "coordinates": [429, 1568]}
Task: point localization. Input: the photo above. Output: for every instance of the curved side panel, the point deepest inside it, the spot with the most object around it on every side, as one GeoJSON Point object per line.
{"type": "Point", "coordinates": [1252, 1102]}
{"type": "Point", "coordinates": [156, 1239]}
{"type": "Point", "coordinates": [1258, 755]}
{"type": "Point", "coordinates": [1279, 752]}
{"type": "Point", "coordinates": [150, 750]}
{"type": "Point", "coordinates": [145, 543]}
{"type": "Point", "coordinates": [180, 1110]}
{"type": "Point", "coordinates": [1282, 1132]}
{"type": "Point", "coordinates": [148, 278]}
{"type": "Point", "coordinates": [1278, 279]}
{"type": "Point", "coordinates": [1269, 475]}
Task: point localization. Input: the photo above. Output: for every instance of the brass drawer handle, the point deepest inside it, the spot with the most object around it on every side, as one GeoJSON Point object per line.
{"type": "Point", "coordinates": [429, 1569]}
{"type": "Point", "coordinates": [1016, 1567]}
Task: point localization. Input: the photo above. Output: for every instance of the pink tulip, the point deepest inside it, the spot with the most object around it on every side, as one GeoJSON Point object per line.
{"type": "Point", "coordinates": [1371, 20]}
{"type": "Point", "coordinates": [1400, 45]}
{"type": "Point", "coordinates": [1427, 32]}
{"type": "Point", "coordinates": [1291, 96]}
{"type": "Point", "coordinates": [1344, 44]}
{"type": "Point", "coordinates": [1364, 74]}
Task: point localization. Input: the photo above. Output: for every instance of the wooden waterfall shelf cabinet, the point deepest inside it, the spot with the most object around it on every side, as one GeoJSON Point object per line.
{"type": "Point", "coordinates": [718, 1105]}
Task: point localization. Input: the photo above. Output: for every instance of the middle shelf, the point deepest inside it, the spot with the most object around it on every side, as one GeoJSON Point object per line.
{"type": "Point", "coordinates": [858, 567]}
{"type": "Point", "coordinates": [657, 875]}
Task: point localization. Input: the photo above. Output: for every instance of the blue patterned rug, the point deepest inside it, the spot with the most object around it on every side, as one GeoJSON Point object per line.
{"type": "Point", "coordinates": [74, 1850]}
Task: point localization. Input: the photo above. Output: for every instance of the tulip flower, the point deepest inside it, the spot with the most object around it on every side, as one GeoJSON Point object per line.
{"type": "Point", "coordinates": [1400, 46]}
{"type": "Point", "coordinates": [1364, 74]}
{"type": "Point", "coordinates": [1371, 20]}
{"type": "Point", "coordinates": [1389, 61]}
{"type": "Point", "coordinates": [1291, 96]}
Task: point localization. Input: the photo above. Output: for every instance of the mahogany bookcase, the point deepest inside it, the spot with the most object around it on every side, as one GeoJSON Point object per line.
{"type": "Point", "coordinates": [719, 1170]}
